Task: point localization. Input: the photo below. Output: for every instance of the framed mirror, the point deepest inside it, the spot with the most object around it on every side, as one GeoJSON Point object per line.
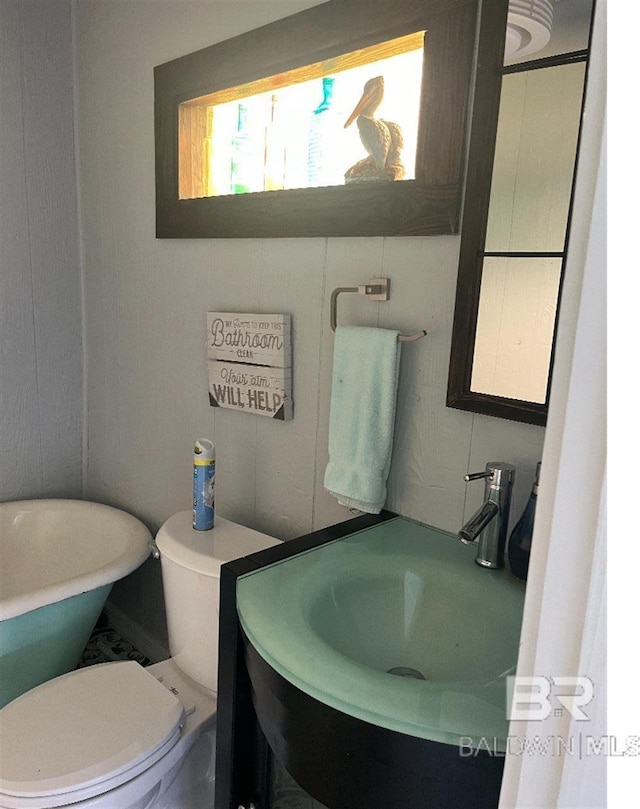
{"type": "Point", "coordinates": [517, 213]}
{"type": "Point", "coordinates": [257, 136]}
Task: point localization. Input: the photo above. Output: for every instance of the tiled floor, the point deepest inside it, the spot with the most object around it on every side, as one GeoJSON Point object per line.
{"type": "Point", "coordinates": [106, 645]}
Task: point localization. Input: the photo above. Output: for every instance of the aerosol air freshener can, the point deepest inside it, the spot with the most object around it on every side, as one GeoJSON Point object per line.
{"type": "Point", "coordinates": [204, 477]}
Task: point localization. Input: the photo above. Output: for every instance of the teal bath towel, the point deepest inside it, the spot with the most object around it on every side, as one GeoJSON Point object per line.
{"type": "Point", "coordinates": [363, 406]}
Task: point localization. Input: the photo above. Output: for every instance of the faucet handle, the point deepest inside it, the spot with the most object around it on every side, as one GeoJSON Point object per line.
{"type": "Point", "coordinates": [479, 475]}
{"type": "Point", "coordinates": [497, 473]}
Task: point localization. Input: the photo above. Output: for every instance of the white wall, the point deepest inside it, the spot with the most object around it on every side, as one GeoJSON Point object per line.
{"type": "Point", "coordinates": [41, 396]}
{"type": "Point", "coordinates": [146, 303]}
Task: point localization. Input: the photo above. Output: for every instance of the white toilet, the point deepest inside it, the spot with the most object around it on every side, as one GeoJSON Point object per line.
{"type": "Point", "coordinates": [121, 736]}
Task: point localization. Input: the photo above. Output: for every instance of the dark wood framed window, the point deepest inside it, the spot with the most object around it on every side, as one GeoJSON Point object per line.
{"type": "Point", "coordinates": [427, 204]}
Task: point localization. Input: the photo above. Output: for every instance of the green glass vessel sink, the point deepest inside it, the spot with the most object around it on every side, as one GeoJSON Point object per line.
{"type": "Point", "coordinates": [394, 625]}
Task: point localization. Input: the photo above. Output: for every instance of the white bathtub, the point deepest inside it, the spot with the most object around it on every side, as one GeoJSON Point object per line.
{"type": "Point", "coordinates": [58, 561]}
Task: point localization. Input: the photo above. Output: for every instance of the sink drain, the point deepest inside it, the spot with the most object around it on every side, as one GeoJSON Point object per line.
{"type": "Point", "coordinates": [404, 671]}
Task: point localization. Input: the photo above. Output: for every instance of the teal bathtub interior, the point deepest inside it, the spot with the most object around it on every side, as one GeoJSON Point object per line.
{"type": "Point", "coordinates": [46, 642]}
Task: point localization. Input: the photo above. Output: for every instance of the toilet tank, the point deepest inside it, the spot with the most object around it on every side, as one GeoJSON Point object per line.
{"type": "Point", "coordinates": [191, 562]}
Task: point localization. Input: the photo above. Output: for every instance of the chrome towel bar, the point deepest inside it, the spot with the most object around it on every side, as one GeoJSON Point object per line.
{"type": "Point", "coordinates": [378, 289]}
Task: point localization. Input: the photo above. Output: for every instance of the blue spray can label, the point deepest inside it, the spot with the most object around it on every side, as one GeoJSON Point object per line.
{"type": "Point", "coordinates": [204, 477]}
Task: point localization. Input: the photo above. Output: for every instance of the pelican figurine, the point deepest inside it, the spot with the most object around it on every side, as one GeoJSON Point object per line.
{"type": "Point", "coordinates": [382, 139]}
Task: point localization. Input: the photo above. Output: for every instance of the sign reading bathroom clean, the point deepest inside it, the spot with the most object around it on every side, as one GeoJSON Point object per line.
{"type": "Point", "coordinates": [249, 357]}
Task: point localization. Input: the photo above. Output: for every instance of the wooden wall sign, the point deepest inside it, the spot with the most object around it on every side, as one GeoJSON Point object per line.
{"type": "Point", "coordinates": [249, 359]}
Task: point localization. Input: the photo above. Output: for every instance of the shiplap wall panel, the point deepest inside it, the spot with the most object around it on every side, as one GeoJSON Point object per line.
{"type": "Point", "coordinates": [431, 441]}
{"type": "Point", "coordinates": [20, 460]}
{"type": "Point", "coordinates": [40, 317]}
{"type": "Point", "coordinates": [147, 301]}
{"type": "Point", "coordinates": [53, 225]}
{"type": "Point", "coordinates": [291, 281]}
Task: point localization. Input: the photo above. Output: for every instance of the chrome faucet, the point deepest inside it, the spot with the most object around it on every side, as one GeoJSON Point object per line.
{"type": "Point", "coordinates": [489, 524]}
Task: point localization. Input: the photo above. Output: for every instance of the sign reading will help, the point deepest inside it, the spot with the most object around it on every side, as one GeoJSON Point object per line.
{"type": "Point", "coordinates": [249, 357]}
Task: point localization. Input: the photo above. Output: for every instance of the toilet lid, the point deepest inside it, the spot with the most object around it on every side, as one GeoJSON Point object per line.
{"type": "Point", "coordinates": [92, 728]}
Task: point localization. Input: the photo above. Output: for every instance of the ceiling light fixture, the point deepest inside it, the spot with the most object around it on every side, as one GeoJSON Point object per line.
{"type": "Point", "coordinates": [528, 27]}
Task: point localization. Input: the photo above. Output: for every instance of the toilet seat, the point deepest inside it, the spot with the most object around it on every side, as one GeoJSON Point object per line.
{"type": "Point", "coordinates": [131, 719]}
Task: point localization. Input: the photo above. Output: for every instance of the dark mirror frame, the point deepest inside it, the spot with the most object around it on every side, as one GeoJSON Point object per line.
{"type": "Point", "coordinates": [474, 228]}
{"type": "Point", "coordinates": [428, 205]}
